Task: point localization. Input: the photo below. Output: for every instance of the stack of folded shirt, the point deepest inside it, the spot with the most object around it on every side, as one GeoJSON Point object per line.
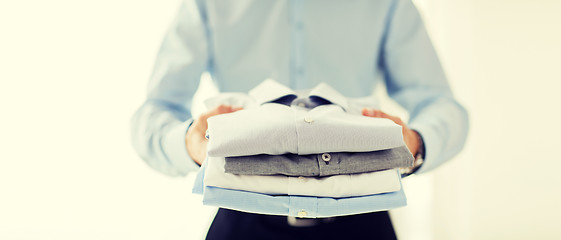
{"type": "Point", "coordinates": [301, 155]}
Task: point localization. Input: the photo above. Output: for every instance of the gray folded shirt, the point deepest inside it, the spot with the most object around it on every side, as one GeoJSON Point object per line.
{"type": "Point", "coordinates": [325, 164]}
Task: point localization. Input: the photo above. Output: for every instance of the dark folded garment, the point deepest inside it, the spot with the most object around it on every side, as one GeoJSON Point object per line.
{"type": "Point", "coordinates": [326, 164]}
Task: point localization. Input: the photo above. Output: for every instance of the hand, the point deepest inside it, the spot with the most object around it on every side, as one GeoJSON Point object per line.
{"type": "Point", "coordinates": [411, 137]}
{"type": "Point", "coordinates": [195, 140]}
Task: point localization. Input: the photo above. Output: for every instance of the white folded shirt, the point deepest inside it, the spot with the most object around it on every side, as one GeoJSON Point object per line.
{"type": "Point", "coordinates": [277, 129]}
{"type": "Point", "coordinates": [337, 186]}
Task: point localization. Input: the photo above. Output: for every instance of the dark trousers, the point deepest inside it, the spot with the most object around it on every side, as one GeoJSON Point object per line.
{"type": "Point", "coordinates": [230, 224]}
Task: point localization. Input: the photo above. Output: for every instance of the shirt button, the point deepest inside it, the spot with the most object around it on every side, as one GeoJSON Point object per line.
{"type": "Point", "coordinates": [326, 157]}
{"type": "Point", "coordinates": [302, 213]}
{"type": "Point", "coordinates": [308, 119]}
{"type": "Point", "coordinates": [301, 104]}
{"type": "Point", "coordinates": [301, 179]}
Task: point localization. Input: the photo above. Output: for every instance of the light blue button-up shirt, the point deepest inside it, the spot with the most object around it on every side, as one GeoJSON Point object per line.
{"type": "Point", "coordinates": [288, 205]}
{"type": "Point", "coordinates": [299, 43]}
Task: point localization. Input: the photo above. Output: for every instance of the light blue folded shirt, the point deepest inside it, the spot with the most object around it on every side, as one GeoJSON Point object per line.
{"type": "Point", "coordinates": [296, 206]}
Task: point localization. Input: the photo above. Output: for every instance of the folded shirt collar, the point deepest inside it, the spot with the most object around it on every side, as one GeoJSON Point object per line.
{"type": "Point", "coordinates": [270, 90]}
{"type": "Point", "coordinates": [326, 92]}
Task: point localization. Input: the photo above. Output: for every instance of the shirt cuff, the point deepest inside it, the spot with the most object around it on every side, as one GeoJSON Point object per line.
{"type": "Point", "coordinates": [433, 147]}
{"type": "Point", "coordinates": [175, 149]}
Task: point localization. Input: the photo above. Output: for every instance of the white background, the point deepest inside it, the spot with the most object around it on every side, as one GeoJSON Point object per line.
{"type": "Point", "coordinates": [73, 72]}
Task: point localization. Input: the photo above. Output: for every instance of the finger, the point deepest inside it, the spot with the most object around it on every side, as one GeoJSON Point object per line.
{"type": "Point", "coordinates": [395, 119]}
{"type": "Point", "coordinates": [221, 110]}
{"type": "Point", "coordinates": [385, 115]}
{"type": "Point", "coordinates": [213, 111]}
{"type": "Point", "coordinates": [228, 109]}
{"type": "Point", "coordinates": [372, 112]}
{"type": "Point", "coordinates": [381, 114]}
{"type": "Point", "coordinates": [367, 112]}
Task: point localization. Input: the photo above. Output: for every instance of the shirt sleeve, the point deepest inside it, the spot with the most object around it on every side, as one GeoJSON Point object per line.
{"type": "Point", "coordinates": [159, 126]}
{"type": "Point", "coordinates": [415, 79]}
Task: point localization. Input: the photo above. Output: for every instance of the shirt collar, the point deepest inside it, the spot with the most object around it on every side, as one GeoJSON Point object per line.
{"type": "Point", "coordinates": [326, 92]}
{"type": "Point", "coordinates": [270, 90]}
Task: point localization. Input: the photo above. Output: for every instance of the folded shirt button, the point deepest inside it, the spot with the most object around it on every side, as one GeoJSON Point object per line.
{"type": "Point", "coordinates": [308, 119]}
{"type": "Point", "coordinates": [326, 157]}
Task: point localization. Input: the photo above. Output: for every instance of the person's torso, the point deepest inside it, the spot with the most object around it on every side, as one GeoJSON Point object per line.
{"type": "Point", "coordinates": [297, 43]}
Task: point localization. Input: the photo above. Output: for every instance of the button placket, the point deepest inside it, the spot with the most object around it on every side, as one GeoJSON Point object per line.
{"type": "Point", "coordinates": [296, 41]}
{"type": "Point", "coordinates": [328, 164]}
{"type": "Point", "coordinates": [300, 206]}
